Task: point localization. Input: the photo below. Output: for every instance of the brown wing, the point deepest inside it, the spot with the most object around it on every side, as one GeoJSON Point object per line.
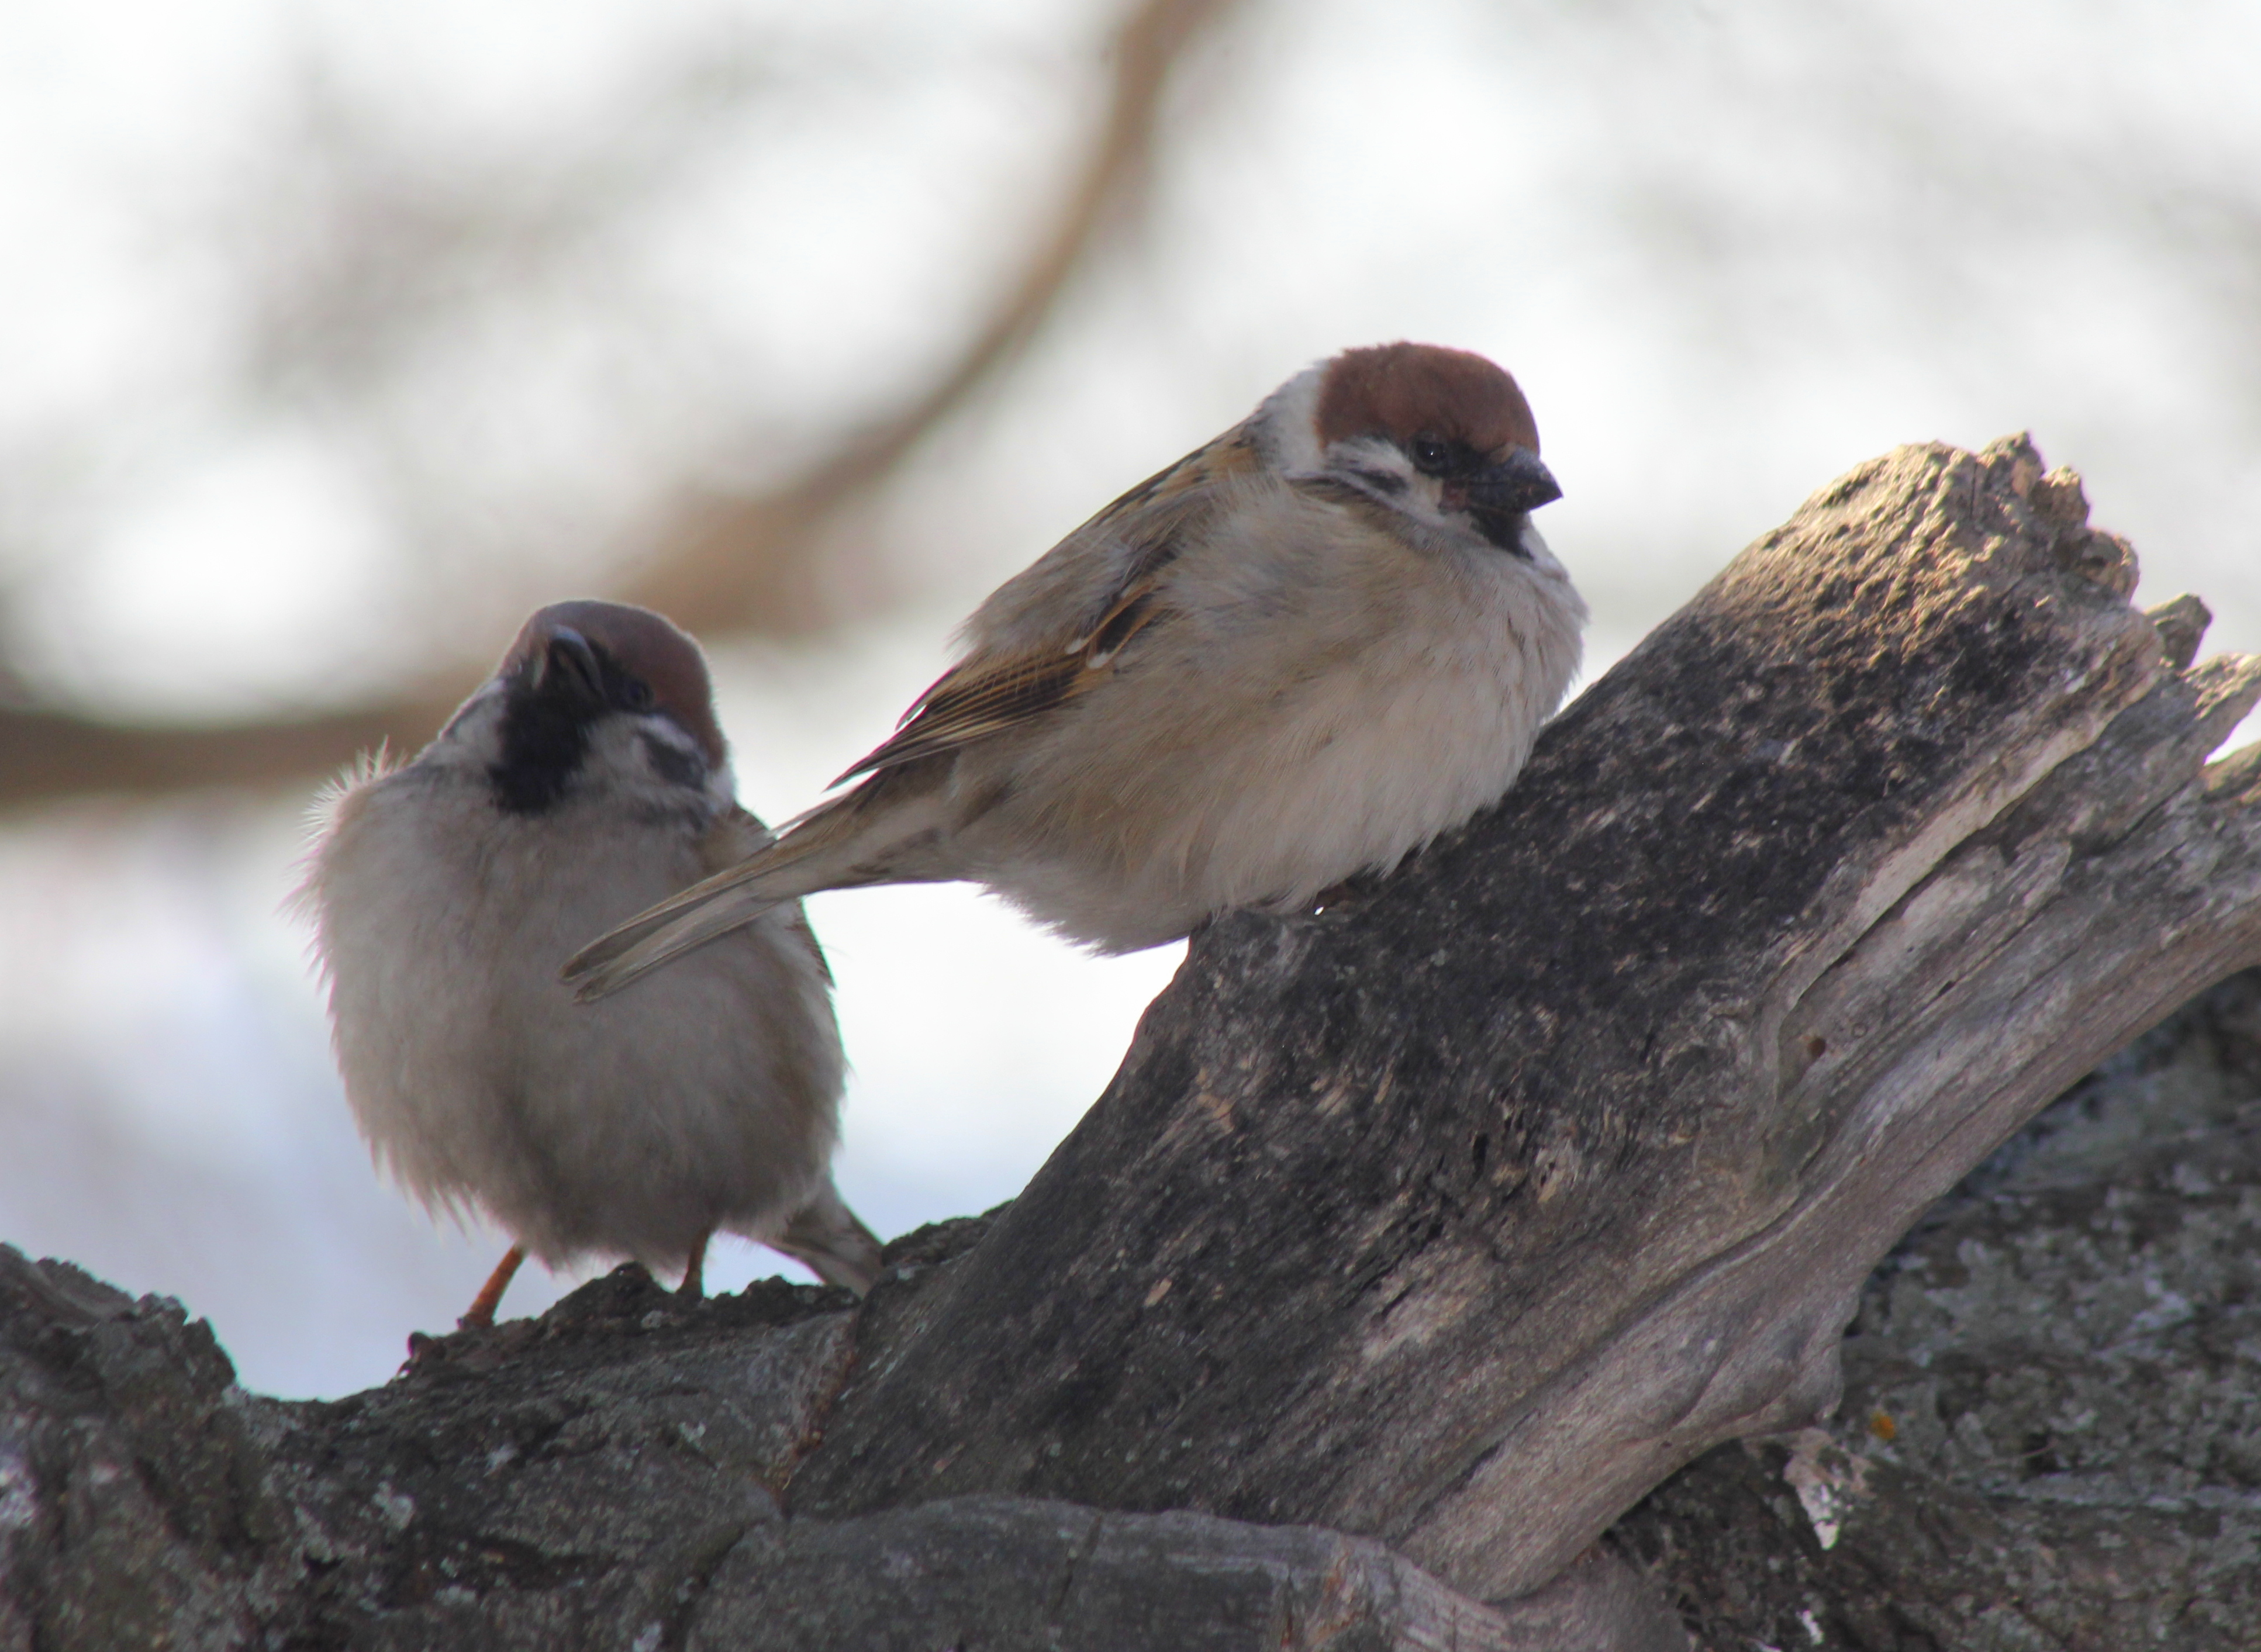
{"type": "Point", "coordinates": [987, 694]}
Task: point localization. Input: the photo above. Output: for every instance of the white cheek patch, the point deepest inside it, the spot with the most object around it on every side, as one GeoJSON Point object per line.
{"type": "Point", "coordinates": [477, 718]}
{"type": "Point", "coordinates": [1377, 460]}
{"type": "Point", "coordinates": [670, 753]}
{"type": "Point", "coordinates": [678, 759]}
{"type": "Point", "coordinates": [673, 763]}
{"type": "Point", "coordinates": [1385, 472]}
{"type": "Point", "coordinates": [1289, 417]}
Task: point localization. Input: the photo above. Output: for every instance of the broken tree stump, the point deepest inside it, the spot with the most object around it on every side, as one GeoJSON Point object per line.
{"type": "Point", "coordinates": [1461, 1213]}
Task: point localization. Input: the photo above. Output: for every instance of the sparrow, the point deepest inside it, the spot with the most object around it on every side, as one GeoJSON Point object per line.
{"type": "Point", "coordinates": [1301, 652]}
{"type": "Point", "coordinates": [584, 780]}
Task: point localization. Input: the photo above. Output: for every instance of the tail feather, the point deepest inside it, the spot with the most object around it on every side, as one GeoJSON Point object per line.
{"type": "Point", "coordinates": [643, 944]}
{"type": "Point", "coordinates": [796, 864]}
{"type": "Point", "coordinates": [838, 1249]}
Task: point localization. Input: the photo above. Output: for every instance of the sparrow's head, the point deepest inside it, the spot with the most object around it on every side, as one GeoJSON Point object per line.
{"type": "Point", "coordinates": [598, 697]}
{"type": "Point", "coordinates": [1442, 436]}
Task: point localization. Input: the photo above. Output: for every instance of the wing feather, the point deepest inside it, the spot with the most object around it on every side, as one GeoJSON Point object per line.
{"type": "Point", "coordinates": [989, 694]}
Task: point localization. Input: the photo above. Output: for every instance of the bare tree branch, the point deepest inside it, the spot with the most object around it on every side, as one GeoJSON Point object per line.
{"type": "Point", "coordinates": [48, 754]}
{"type": "Point", "coordinates": [735, 560]}
{"type": "Point", "coordinates": [726, 562]}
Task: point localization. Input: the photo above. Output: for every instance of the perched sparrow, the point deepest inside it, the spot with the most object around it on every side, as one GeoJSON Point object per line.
{"type": "Point", "coordinates": [585, 781]}
{"type": "Point", "coordinates": [1301, 651]}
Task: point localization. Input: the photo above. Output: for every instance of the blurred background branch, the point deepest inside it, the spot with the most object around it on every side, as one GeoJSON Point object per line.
{"type": "Point", "coordinates": [727, 561]}
{"type": "Point", "coordinates": [722, 559]}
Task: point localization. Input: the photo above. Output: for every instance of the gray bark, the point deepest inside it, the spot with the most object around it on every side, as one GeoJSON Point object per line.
{"type": "Point", "coordinates": [1416, 1241]}
{"type": "Point", "coordinates": [1462, 1213]}
{"type": "Point", "coordinates": [609, 1476]}
{"type": "Point", "coordinates": [2051, 1433]}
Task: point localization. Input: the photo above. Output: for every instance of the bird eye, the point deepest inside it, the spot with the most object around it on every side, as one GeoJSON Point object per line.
{"type": "Point", "coordinates": [635, 696]}
{"type": "Point", "coordinates": [1430, 456]}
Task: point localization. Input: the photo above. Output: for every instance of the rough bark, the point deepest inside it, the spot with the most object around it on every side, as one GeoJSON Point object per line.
{"type": "Point", "coordinates": [609, 1476]}
{"type": "Point", "coordinates": [2051, 1433]}
{"type": "Point", "coordinates": [1417, 1239]}
{"type": "Point", "coordinates": [1464, 1211]}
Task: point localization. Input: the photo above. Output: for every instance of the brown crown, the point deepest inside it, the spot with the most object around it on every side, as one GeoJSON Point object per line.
{"type": "Point", "coordinates": [1403, 391]}
{"type": "Point", "coordinates": [649, 647]}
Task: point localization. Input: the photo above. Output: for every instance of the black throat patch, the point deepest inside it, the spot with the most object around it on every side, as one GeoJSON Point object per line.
{"type": "Point", "coordinates": [543, 740]}
{"type": "Point", "coordinates": [1503, 528]}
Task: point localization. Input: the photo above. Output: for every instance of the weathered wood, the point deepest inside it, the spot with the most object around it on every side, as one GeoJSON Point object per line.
{"type": "Point", "coordinates": [1462, 1213]}
{"type": "Point", "coordinates": [2052, 1434]}
{"type": "Point", "coordinates": [602, 1478]}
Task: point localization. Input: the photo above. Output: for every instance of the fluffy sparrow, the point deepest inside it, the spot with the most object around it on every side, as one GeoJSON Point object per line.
{"type": "Point", "coordinates": [586, 780]}
{"type": "Point", "coordinates": [1301, 651]}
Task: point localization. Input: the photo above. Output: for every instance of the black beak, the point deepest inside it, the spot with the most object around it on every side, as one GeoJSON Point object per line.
{"type": "Point", "coordinates": [1516, 484]}
{"type": "Point", "coordinates": [568, 668]}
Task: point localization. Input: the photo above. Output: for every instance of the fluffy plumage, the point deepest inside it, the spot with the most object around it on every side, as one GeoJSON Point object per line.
{"type": "Point", "coordinates": [1301, 651]}
{"type": "Point", "coordinates": [587, 780]}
